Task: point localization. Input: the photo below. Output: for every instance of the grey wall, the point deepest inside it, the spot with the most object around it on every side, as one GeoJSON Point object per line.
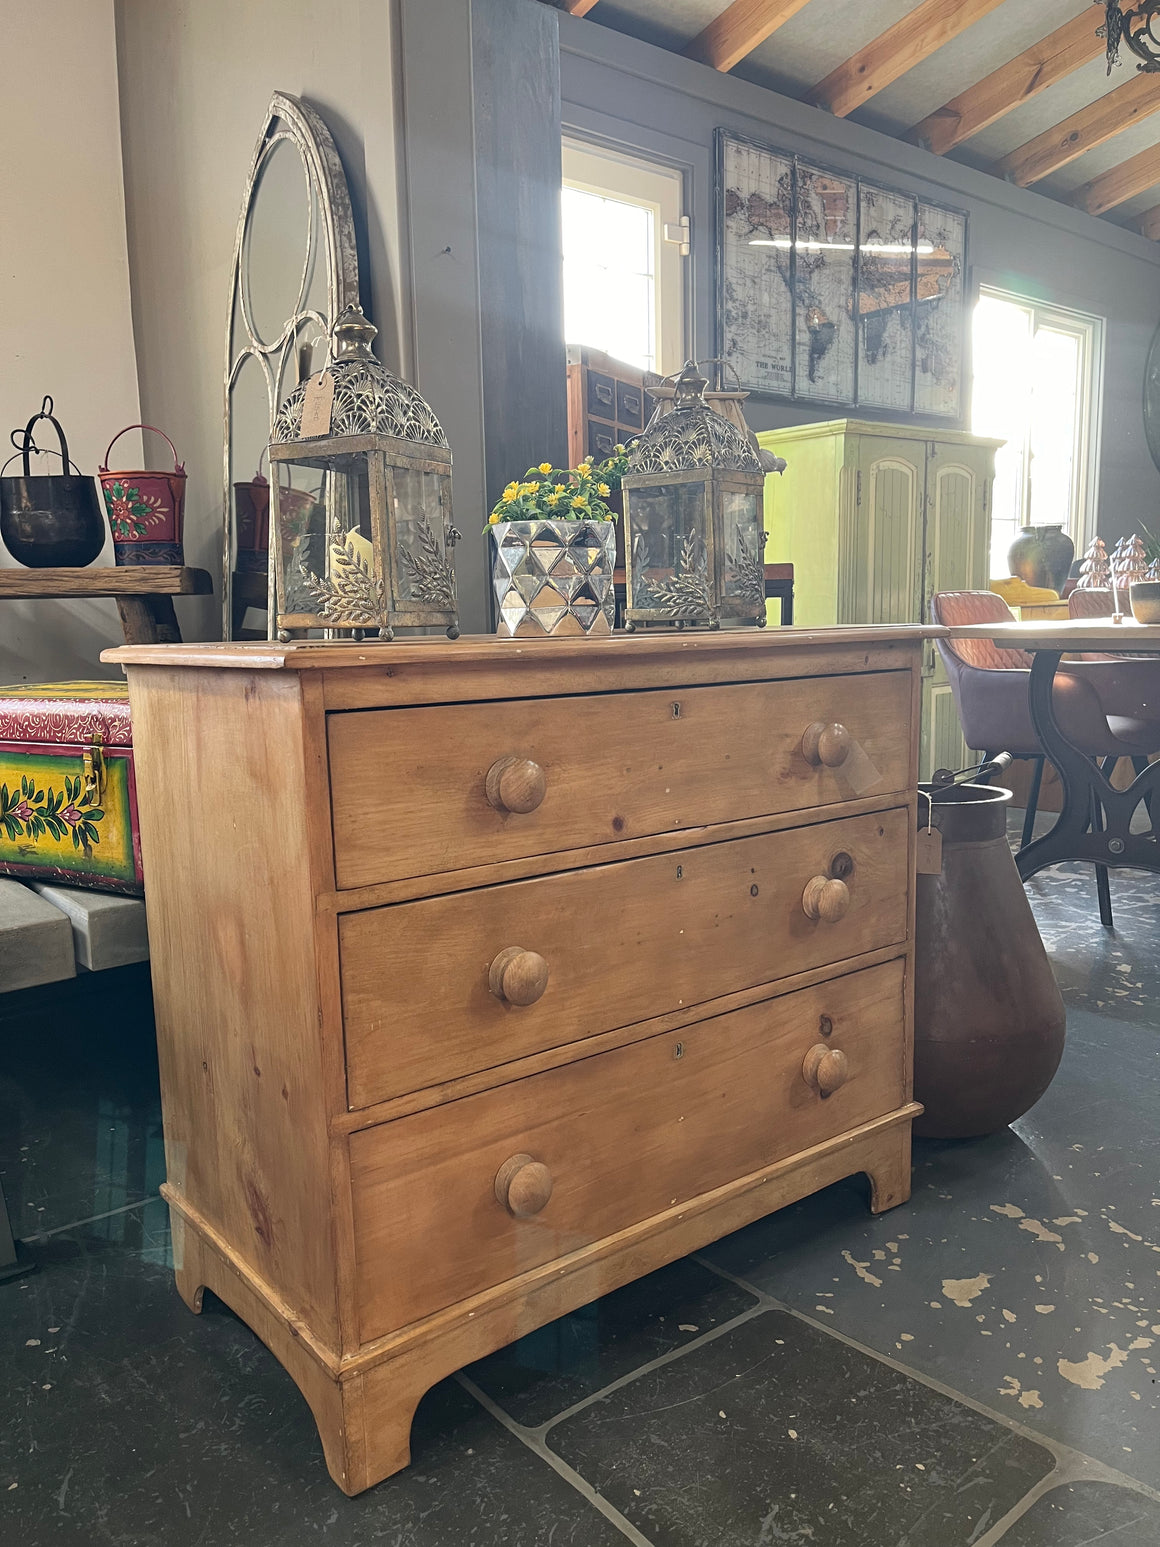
{"type": "Point", "coordinates": [626, 93]}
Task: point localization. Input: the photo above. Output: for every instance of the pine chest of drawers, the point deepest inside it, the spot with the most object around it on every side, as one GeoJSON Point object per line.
{"type": "Point", "coordinates": [491, 975]}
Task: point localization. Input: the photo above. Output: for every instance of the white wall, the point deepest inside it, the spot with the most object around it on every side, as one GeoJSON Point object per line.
{"type": "Point", "coordinates": [65, 323]}
{"type": "Point", "coordinates": [197, 77]}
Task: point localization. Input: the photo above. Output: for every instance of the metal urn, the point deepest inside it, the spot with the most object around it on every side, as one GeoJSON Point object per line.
{"type": "Point", "coordinates": [693, 517]}
{"type": "Point", "coordinates": [989, 1021]}
{"type": "Point", "coordinates": [362, 540]}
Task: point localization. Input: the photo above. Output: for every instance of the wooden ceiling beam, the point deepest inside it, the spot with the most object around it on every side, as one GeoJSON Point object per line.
{"type": "Point", "coordinates": [739, 30]}
{"type": "Point", "coordinates": [1100, 121]}
{"type": "Point", "coordinates": [1117, 186]}
{"type": "Point", "coordinates": [1042, 65]}
{"type": "Point", "coordinates": [578, 7]}
{"type": "Point", "coordinates": [916, 37]}
{"type": "Point", "coordinates": [1149, 223]}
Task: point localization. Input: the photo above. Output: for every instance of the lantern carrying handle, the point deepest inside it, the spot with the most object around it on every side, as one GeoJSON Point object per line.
{"type": "Point", "coordinates": [178, 466]}
{"type": "Point", "coordinates": [724, 365]}
{"type": "Point", "coordinates": [24, 443]}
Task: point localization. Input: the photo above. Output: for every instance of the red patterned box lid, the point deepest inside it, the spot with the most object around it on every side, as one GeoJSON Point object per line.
{"type": "Point", "coordinates": [66, 712]}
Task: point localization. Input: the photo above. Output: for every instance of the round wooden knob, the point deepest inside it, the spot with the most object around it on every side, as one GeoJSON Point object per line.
{"type": "Point", "coordinates": [523, 1186]}
{"type": "Point", "coordinates": [826, 1069]}
{"type": "Point", "coordinates": [825, 899]}
{"type": "Point", "coordinates": [518, 976]}
{"type": "Point", "coordinates": [515, 784]}
{"type": "Point", "coordinates": [826, 745]}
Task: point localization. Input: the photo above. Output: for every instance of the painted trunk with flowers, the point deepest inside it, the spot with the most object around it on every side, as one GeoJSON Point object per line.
{"type": "Point", "coordinates": [68, 797]}
{"type": "Point", "coordinates": [553, 550]}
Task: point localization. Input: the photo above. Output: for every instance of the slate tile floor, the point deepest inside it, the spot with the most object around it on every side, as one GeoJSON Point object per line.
{"type": "Point", "coordinates": [976, 1367]}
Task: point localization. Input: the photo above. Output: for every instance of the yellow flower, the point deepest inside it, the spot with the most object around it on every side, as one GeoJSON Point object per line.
{"type": "Point", "coordinates": [528, 488]}
{"type": "Point", "coordinates": [603, 490]}
{"type": "Point", "coordinates": [579, 502]}
{"type": "Point", "coordinates": [545, 468]}
{"type": "Point", "coordinates": [494, 517]}
{"type": "Point", "coordinates": [553, 499]}
{"type": "Point", "coordinates": [584, 469]}
{"type": "Point", "coordinates": [510, 493]}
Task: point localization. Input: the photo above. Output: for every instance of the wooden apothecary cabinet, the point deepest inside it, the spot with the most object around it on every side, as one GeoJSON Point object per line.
{"type": "Point", "coordinates": [492, 975]}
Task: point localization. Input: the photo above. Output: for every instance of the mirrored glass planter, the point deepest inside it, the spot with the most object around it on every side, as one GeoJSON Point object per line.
{"type": "Point", "coordinates": [693, 517]}
{"type": "Point", "coordinates": [361, 523]}
{"type": "Point", "coordinates": [553, 577]}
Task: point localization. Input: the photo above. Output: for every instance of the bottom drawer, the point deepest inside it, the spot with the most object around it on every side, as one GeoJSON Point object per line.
{"type": "Point", "coordinates": [619, 1136]}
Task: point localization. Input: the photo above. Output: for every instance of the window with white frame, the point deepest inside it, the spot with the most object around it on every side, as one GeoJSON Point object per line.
{"type": "Point", "coordinates": [623, 275]}
{"type": "Point", "coordinates": [1037, 387]}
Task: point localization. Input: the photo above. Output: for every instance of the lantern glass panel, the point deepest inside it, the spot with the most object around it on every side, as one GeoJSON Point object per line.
{"type": "Point", "coordinates": [743, 577]}
{"type": "Point", "coordinates": [422, 515]}
{"type": "Point", "coordinates": [667, 526]}
{"type": "Point", "coordinates": [322, 511]}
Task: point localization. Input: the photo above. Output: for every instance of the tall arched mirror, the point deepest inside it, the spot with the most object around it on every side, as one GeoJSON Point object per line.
{"type": "Point", "coordinates": [295, 268]}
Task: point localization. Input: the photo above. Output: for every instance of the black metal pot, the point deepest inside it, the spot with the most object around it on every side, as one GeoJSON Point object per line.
{"type": "Point", "coordinates": [53, 520]}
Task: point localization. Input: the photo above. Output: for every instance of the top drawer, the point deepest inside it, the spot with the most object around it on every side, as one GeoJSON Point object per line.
{"type": "Point", "coordinates": [411, 793]}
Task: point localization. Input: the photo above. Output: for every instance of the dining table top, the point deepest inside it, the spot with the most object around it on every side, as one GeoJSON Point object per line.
{"type": "Point", "coordinates": [1100, 634]}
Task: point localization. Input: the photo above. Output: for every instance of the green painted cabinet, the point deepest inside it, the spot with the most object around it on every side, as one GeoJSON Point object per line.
{"type": "Point", "coordinates": [875, 518]}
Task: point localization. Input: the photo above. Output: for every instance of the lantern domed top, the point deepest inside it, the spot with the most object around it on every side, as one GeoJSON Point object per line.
{"type": "Point", "coordinates": [368, 398]}
{"type": "Point", "coordinates": [692, 435]}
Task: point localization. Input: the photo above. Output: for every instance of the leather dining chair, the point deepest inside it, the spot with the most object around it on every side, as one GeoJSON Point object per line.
{"type": "Point", "coordinates": [1106, 708]}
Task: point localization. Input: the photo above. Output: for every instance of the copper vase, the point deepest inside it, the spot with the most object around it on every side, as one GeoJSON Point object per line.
{"type": "Point", "coordinates": [989, 1021]}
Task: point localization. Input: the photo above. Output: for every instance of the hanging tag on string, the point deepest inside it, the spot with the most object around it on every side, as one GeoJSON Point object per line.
{"type": "Point", "coordinates": [317, 406]}
{"type": "Point", "coordinates": [929, 846]}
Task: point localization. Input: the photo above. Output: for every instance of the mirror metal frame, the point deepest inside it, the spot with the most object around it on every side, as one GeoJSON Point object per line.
{"type": "Point", "coordinates": [287, 118]}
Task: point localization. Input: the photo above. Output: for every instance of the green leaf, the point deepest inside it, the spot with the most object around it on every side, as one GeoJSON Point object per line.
{"type": "Point", "coordinates": [76, 839]}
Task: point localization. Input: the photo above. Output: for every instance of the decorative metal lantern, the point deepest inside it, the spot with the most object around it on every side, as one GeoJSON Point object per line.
{"type": "Point", "coordinates": [692, 516]}
{"type": "Point", "coordinates": [362, 539]}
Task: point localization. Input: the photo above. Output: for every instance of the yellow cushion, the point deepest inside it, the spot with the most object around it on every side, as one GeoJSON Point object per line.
{"type": "Point", "coordinates": [1017, 593]}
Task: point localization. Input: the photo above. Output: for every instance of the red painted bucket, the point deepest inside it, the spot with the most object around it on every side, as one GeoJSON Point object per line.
{"type": "Point", "coordinates": [145, 507]}
{"type": "Point", "coordinates": [252, 513]}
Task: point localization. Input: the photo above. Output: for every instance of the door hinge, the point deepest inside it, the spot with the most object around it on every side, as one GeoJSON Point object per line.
{"type": "Point", "coordinates": [858, 494]}
{"type": "Point", "coordinates": [678, 233]}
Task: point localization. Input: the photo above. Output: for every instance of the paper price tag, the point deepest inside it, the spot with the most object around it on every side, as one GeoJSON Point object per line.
{"type": "Point", "coordinates": [858, 772]}
{"type": "Point", "coordinates": [317, 406]}
{"type": "Point", "coordinates": [929, 851]}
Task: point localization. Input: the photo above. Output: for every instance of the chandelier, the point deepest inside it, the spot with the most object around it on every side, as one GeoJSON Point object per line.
{"type": "Point", "coordinates": [1138, 28]}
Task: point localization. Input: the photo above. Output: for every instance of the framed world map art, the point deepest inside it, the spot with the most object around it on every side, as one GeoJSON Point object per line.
{"type": "Point", "coordinates": [832, 289]}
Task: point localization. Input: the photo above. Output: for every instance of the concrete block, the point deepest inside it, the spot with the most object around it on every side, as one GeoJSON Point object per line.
{"type": "Point", "coordinates": [107, 931]}
{"type": "Point", "coordinates": [36, 943]}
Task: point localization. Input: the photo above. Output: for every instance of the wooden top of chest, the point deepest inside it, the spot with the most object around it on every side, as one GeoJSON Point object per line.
{"type": "Point", "coordinates": [482, 666]}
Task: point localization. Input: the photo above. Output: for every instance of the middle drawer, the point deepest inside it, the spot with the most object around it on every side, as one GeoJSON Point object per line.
{"type": "Point", "coordinates": [431, 988]}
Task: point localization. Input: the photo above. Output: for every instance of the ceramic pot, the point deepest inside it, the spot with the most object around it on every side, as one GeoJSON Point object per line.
{"type": "Point", "coordinates": [49, 520]}
{"type": "Point", "coordinates": [146, 508]}
{"type": "Point", "coordinates": [553, 577]}
{"type": "Point", "coordinates": [989, 1021]}
{"type": "Point", "coordinates": [1041, 556]}
{"type": "Point", "coordinates": [1145, 595]}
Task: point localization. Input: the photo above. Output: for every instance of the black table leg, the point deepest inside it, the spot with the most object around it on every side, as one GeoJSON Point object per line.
{"type": "Point", "coordinates": [1095, 822]}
